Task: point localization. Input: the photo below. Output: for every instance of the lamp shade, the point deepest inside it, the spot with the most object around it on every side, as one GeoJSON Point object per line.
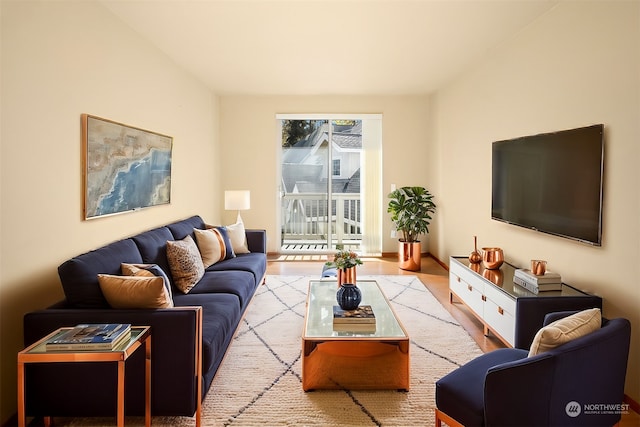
{"type": "Point", "coordinates": [237, 200]}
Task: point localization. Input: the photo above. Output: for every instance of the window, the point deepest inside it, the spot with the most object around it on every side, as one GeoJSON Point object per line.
{"type": "Point", "coordinates": [336, 167]}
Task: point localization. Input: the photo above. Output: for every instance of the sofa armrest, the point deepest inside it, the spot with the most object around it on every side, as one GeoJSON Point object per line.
{"type": "Point", "coordinates": [176, 353]}
{"type": "Point", "coordinates": [257, 240]}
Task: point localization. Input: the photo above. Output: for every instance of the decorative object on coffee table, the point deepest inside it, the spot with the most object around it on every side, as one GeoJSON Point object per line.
{"type": "Point", "coordinates": [345, 263]}
{"type": "Point", "coordinates": [348, 296]}
{"type": "Point", "coordinates": [492, 258]}
{"type": "Point", "coordinates": [475, 256]}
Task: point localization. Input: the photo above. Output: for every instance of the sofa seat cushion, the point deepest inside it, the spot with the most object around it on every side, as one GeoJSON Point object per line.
{"type": "Point", "coordinates": [221, 314]}
{"type": "Point", "coordinates": [79, 275]}
{"type": "Point", "coordinates": [255, 263]}
{"type": "Point", "coordinates": [239, 283]}
{"type": "Point", "coordinates": [460, 393]}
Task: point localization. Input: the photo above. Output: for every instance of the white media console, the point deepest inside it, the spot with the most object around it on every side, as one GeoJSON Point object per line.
{"type": "Point", "coordinates": [509, 311]}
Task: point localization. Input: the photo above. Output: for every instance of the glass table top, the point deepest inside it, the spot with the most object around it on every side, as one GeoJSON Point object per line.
{"type": "Point", "coordinates": [319, 315]}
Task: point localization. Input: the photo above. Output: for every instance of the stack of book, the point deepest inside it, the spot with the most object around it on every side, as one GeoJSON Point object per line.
{"type": "Point", "coordinates": [362, 319]}
{"type": "Point", "coordinates": [90, 337]}
{"type": "Point", "coordinates": [549, 281]}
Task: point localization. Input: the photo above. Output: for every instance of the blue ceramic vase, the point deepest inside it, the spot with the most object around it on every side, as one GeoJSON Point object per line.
{"type": "Point", "coordinates": [349, 296]}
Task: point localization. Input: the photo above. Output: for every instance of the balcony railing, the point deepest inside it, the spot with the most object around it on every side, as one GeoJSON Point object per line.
{"type": "Point", "coordinates": [307, 224]}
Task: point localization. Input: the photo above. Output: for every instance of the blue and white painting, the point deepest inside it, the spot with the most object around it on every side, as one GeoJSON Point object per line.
{"type": "Point", "coordinates": [126, 168]}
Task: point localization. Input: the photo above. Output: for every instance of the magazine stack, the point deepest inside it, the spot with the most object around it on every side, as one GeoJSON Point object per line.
{"type": "Point", "coordinates": [91, 337]}
{"type": "Point", "coordinates": [549, 281]}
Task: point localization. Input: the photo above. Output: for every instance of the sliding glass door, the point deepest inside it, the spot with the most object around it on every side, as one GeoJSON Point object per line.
{"type": "Point", "coordinates": [322, 177]}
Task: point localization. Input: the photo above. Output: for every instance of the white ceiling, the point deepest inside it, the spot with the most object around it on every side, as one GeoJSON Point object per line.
{"type": "Point", "coordinates": [349, 47]}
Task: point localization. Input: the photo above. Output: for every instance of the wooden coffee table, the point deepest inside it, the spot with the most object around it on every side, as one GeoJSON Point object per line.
{"type": "Point", "coordinates": [341, 358]}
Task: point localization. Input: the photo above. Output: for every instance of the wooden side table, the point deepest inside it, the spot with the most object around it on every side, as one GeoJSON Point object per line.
{"type": "Point", "coordinates": [37, 353]}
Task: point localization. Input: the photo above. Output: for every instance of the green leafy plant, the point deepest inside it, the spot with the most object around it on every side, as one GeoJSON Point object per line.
{"type": "Point", "coordinates": [344, 259]}
{"type": "Point", "coordinates": [411, 209]}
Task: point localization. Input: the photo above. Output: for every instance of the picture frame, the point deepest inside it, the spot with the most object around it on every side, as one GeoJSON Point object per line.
{"type": "Point", "coordinates": [125, 168]}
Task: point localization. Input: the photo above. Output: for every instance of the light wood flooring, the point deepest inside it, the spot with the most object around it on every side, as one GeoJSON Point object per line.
{"type": "Point", "coordinates": [436, 279]}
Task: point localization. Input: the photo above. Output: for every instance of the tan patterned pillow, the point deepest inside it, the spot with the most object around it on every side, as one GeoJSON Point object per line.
{"type": "Point", "coordinates": [185, 262]}
{"type": "Point", "coordinates": [566, 329]}
{"type": "Point", "coordinates": [134, 291]}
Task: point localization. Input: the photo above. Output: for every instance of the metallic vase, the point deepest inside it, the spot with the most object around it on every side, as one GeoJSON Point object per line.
{"type": "Point", "coordinates": [346, 275]}
{"type": "Point", "coordinates": [409, 256]}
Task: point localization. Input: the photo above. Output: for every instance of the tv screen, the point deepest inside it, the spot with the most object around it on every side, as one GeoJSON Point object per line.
{"type": "Point", "coordinates": [551, 183]}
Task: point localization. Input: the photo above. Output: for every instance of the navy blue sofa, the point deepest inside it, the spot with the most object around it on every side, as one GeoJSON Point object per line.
{"type": "Point", "coordinates": [506, 388]}
{"type": "Point", "coordinates": [223, 294]}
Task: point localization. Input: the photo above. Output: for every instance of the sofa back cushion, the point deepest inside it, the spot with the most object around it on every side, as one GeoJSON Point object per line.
{"type": "Point", "coordinates": [79, 275]}
{"type": "Point", "coordinates": [184, 228]}
{"type": "Point", "coordinates": [152, 245]}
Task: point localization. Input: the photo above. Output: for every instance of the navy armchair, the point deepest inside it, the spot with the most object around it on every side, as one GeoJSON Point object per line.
{"type": "Point", "coordinates": [578, 383]}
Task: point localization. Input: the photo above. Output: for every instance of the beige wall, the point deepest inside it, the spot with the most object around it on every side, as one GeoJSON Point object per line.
{"type": "Point", "coordinates": [578, 65]}
{"type": "Point", "coordinates": [250, 148]}
{"type": "Point", "coordinates": [59, 60]}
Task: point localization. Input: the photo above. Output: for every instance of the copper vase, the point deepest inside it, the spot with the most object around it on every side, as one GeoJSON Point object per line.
{"type": "Point", "coordinates": [475, 256]}
{"type": "Point", "coordinates": [409, 256]}
{"type": "Point", "coordinates": [346, 275]}
{"type": "Point", "coordinates": [492, 258]}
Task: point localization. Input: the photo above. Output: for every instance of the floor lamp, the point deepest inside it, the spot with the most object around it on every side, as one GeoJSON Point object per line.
{"type": "Point", "coordinates": [237, 200]}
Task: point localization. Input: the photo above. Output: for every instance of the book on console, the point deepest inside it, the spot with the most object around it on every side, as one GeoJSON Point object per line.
{"type": "Point", "coordinates": [363, 315]}
{"type": "Point", "coordinates": [91, 336]}
{"type": "Point", "coordinates": [536, 287]}
{"type": "Point", "coordinates": [548, 277]}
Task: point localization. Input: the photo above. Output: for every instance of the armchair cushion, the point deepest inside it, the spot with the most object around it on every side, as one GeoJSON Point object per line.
{"type": "Point", "coordinates": [566, 329]}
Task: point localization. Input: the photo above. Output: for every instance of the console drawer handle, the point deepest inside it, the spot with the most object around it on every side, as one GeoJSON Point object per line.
{"type": "Point", "coordinates": [500, 310]}
{"type": "Point", "coordinates": [484, 297]}
{"type": "Point", "coordinates": [458, 279]}
{"type": "Point", "coordinates": [469, 288]}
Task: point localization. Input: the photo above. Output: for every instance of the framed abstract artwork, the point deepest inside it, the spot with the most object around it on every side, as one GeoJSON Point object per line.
{"type": "Point", "coordinates": [125, 168]}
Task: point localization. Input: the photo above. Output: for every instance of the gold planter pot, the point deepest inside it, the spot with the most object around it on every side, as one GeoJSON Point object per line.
{"type": "Point", "coordinates": [409, 255]}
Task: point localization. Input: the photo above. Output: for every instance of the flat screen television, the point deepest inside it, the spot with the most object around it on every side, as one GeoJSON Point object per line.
{"type": "Point", "coordinates": [551, 183]}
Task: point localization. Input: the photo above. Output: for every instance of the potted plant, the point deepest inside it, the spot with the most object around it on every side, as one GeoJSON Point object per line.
{"type": "Point", "coordinates": [345, 263]}
{"type": "Point", "coordinates": [411, 209]}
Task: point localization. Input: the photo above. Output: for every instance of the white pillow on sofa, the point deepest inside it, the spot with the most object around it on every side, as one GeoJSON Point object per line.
{"type": "Point", "coordinates": [238, 238]}
{"type": "Point", "coordinates": [566, 329]}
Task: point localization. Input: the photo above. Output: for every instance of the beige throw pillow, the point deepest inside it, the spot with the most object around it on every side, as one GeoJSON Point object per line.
{"type": "Point", "coordinates": [238, 238]}
{"type": "Point", "coordinates": [566, 329]}
{"type": "Point", "coordinates": [185, 262]}
{"type": "Point", "coordinates": [134, 291]}
{"type": "Point", "coordinates": [213, 245]}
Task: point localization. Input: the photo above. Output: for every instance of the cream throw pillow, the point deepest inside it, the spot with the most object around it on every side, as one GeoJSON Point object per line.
{"type": "Point", "coordinates": [238, 238]}
{"type": "Point", "coordinates": [566, 329]}
{"type": "Point", "coordinates": [185, 263]}
{"type": "Point", "coordinates": [134, 291]}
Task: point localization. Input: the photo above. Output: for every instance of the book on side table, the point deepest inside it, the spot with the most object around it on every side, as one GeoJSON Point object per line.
{"type": "Point", "coordinates": [90, 337]}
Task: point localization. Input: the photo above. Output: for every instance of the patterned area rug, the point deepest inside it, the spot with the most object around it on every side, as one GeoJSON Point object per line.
{"type": "Point", "coordinates": [259, 382]}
